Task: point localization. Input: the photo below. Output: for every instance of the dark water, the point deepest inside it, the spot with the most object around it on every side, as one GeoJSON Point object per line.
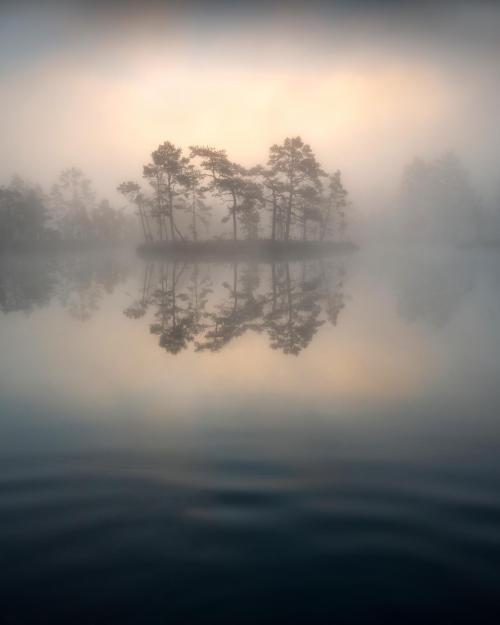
{"type": "Point", "coordinates": [300, 443]}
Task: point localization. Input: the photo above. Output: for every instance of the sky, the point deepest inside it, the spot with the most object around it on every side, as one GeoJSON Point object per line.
{"type": "Point", "coordinates": [368, 84]}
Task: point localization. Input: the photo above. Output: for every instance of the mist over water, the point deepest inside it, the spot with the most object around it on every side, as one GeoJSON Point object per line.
{"type": "Point", "coordinates": [249, 311]}
{"type": "Point", "coordinates": [319, 453]}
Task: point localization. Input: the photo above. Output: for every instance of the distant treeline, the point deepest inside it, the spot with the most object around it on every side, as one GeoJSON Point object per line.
{"type": "Point", "coordinates": [439, 201]}
{"type": "Point", "coordinates": [291, 197]}
{"type": "Point", "coordinates": [69, 213]}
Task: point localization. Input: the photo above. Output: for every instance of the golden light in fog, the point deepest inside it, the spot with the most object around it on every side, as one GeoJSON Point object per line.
{"type": "Point", "coordinates": [375, 358]}
{"type": "Point", "coordinates": [110, 118]}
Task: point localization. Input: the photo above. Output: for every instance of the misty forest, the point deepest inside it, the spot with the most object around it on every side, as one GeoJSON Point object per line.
{"type": "Point", "coordinates": [249, 312]}
{"type": "Point", "coordinates": [291, 197]}
{"type": "Point", "coordinates": [190, 198]}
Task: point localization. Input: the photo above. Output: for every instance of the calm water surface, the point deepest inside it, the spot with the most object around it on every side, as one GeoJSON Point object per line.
{"type": "Point", "coordinates": [304, 442]}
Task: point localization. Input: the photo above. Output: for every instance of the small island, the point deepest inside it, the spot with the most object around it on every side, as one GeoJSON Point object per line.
{"type": "Point", "coordinates": [288, 208]}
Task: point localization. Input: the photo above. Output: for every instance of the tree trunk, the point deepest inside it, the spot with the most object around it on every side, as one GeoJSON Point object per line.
{"type": "Point", "coordinates": [289, 299]}
{"type": "Point", "coordinates": [160, 227]}
{"type": "Point", "coordinates": [164, 225]}
{"type": "Point", "coordinates": [235, 226]}
{"type": "Point", "coordinates": [280, 222]}
{"type": "Point", "coordinates": [273, 226]}
{"type": "Point", "coordinates": [273, 281]}
{"type": "Point", "coordinates": [148, 228]}
{"type": "Point", "coordinates": [159, 209]}
{"type": "Point", "coordinates": [288, 216]}
{"type": "Point", "coordinates": [179, 232]}
{"type": "Point", "coordinates": [195, 233]}
{"type": "Point", "coordinates": [235, 287]}
{"type": "Point", "coordinates": [171, 217]}
{"type": "Point", "coordinates": [144, 232]}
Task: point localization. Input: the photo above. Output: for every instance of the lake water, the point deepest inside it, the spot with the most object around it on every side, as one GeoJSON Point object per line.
{"type": "Point", "coordinates": [302, 442]}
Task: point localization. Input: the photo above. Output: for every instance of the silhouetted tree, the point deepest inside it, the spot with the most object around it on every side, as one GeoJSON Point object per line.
{"type": "Point", "coordinates": [194, 192]}
{"type": "Point", "coordinates": [293, 163]}
{"type": "Point", "coordinates": [232, 183]}
{"type": "Point", "coordinates": [164, 173]}
{"type": "Point", "coordinates": [273, 197]}
{"type": "Point", "coordinates": [132, 191]}
{"type": "Point", "coordinates": [308, 208]}
{"type": "Point", "coordinates": [290, 187]}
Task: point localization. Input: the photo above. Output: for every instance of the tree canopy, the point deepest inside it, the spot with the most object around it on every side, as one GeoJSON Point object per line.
{"type": "Point", "coordinates": [284, 200]}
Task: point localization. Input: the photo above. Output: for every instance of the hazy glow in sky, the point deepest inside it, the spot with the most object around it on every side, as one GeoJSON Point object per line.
{"type": "Point", "coordinates": [101, 90]}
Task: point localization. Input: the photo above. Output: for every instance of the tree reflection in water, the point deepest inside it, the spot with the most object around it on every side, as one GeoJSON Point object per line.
{"type": "Point", "coordinates": [288, 302]}
{"type": "Point", "coordinates": [178, 307]}
{"type": "Point", "coordinates": [78, 282]}
{"type": "Point", "coordinates": [184, 303]}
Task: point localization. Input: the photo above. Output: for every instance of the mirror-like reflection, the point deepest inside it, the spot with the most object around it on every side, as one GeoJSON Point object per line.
{"type": "Point", "coordinates": [178, 426]}
{"type": "Point", "coordinates": [207, 308]}
{"type": "Point", "coordinates": [77, 281]}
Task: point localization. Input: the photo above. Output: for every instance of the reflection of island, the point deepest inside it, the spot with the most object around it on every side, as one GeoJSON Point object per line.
{"type": "Point", "coordinates": [288, 302]}
{"type": "Point", "coordinates": [431, 290]}
{"type": "Point", "coordinates": [77, 281]}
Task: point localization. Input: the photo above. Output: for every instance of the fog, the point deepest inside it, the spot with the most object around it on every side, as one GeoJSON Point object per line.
{"type": "Point", "coordinates": [249, 312]}
{"type": "Point", "coordinates": [99, 85]}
